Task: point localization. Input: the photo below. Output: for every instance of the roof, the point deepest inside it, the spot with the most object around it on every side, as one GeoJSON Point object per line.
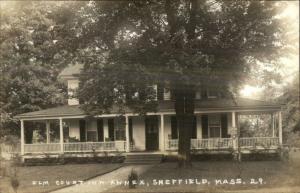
{"type": "Point", "coordinates": [165, 106]}
{"type": "Point", "coordinates": [71, 70]}
{"type": "Point", "coordinates": [62, 111]}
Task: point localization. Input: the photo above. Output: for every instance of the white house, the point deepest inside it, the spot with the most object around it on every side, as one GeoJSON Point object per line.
{"type": "Point", "coordinates": [216, 126]}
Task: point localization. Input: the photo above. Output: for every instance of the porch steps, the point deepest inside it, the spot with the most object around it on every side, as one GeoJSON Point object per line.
{"type": "Point", "coordinates": [143, 158]}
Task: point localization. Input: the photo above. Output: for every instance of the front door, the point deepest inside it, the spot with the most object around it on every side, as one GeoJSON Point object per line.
{"type": "Point", "coordinates": [151, 130]}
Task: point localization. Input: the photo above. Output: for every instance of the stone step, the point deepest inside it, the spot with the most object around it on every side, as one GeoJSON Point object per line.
{"type": "Point", "coordinates": [143, 158]}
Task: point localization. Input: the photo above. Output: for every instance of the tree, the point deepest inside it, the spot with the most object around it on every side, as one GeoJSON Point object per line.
{"type": "Point", "coordinates": [30, 60]}
{"type": "Point", "coordinates": [127, 46]}
{"type": "Point", "coordinates": [291, 113]}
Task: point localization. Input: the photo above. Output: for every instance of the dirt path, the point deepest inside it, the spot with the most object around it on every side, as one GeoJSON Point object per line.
{"type": "Point", "coordinates": [104, 182]}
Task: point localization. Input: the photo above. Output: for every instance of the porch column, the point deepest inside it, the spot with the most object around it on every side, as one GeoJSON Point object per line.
{"type": "Point", "coordinates": [22, 137]}
{"type": "Point", "coordinates": [233, 120]}
{"type": "Point", "coordinates": [48, 131]}
{"type": "Point", "coordinates": [127, 134]}
{"type": "Point", "coordinates": [162, 133]}
{"type": "Point", "coordinates": [61, 134]}
{"type": "Point", "coordinates": [273, 124]}
{"type": "Point", "coordinates": [234, 131]}
{"type": "Point", "coordinates": [280, 127]}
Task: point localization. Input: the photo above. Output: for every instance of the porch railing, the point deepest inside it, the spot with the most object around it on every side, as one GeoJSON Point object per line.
{"type": "Point", "coordinates": [76, 147]}
{"type": "Point", "coordinates": [95, 146]}
{"type": "Point", "coordinates": [226, 143]}
{"type": "Point", "coordinates": [259, 142]}
{"type": "Point", "coordinates": [42, 148]}
{"type": "Point", "coordinates": [172, 144]}
{"type": "Point", "coordinates": [216, 143]}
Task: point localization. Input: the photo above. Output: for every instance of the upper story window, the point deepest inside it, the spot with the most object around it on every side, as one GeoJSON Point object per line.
{"type": "Point", "coordinates": [212, 93]}
{"type": "Point", "coordinates": [72, 87]}
{"type": "Point", "coordinates": [163, 92]}
{"type": "Point", "coordinates": [198, 95]}
{"type": "Point", "coordinates": [167, 94]}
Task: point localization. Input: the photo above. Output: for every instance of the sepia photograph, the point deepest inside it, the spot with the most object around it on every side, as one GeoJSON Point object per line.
{"type": "Point", "coordinates": [149, 96]}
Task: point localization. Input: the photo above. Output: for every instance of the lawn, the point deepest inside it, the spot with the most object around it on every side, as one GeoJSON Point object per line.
{"type": "Point", "coordinates": [53, 175]}
{"type": "Point", "coordinates": [274, 174]}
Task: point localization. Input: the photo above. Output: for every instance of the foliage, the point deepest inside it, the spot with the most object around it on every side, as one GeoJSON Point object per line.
{"type": "Point", "coordinates": [28, 61]}
{"type": "Point", "coordinates": [142, 31]}
{"type": "Point", "coordinates": [183, 45]}
{"type": "Point", "coordinates": [291, 113]}
{"type": "Point", "coordinates": [255, 125]}
{"type": "Point", "coordinates": [128, 46]}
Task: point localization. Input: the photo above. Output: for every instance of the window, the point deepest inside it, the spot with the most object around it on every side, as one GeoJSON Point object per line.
{"type": "Point", "coordinates": [214, 126]}
{"type": "Point", "coordinates": [160, 92]}
{"type": "Point", "coordinates": [91, 135]}
{"type": "Point", "coordinates": [100, 130]}
{"type": "Point", "coordinates": [111, 133]}
{"type": "Point", "coordinates": [120, 128]}
{"type": "Point", "coordinates": [54, 131]}
{"type": "Point", "coordinates": [198, 95]}
{"type": "Point", "coordinates": [174, 129]}
{"type": "Point", "coordinates": [130, 130]}
{"type": "Point", "coordinates": [167, 94]}
{"type": "Point", "coordinates": [66, 129]}
{"type": "Point", "coordinates": [155, 91]}
{"type": "Point", "coordinates": [116, 129]}
{"type": "Point", "coordinates": [211, 93]}
{"type": "Point", "coordinates": [82, 130]}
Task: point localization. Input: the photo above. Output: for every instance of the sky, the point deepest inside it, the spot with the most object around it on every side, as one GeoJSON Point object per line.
{"type": "Point", "coordinates": [290, 64]}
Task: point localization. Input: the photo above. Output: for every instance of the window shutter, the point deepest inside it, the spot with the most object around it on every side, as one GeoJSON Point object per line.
{"type": "Point", "coordinates": [204, 93]}
{"type": "Point", "coordinates": [174, 130]}
{"type": "Point", "coordinates": [100, 130]}
{"type": "Point", "coordinates": [194, 131]}
{"type": "Point", "coordinates": [130, 129]}
{"type": "Point", "coordinates": [82, 130]}
{"type": "Point", "coordinates": [160, 92]}
{"type": "Point", "coordinates": [204, 122]}
{"type": "Point", "coordinates": [111, 129]}
{"type": "Point", "coordinates": [224, 125]}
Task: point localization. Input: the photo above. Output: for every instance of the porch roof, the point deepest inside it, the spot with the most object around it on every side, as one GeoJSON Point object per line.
{"type": "Point", "coordinates": [61, 111]}
{"type": "Point", "coordinates": [165, 106]}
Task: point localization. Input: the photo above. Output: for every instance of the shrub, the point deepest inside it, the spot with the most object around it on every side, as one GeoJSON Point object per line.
{"type": "Point", "coordinates": [132, 178]}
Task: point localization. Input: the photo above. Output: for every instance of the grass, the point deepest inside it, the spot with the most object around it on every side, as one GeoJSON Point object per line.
{"type": "Point", "coordinates": [275, 174]}
{"type": "Point", "coordinates": [52, 174]}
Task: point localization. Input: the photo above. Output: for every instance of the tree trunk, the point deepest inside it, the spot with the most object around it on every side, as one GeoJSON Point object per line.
{"type": "Point", "coordinates": [184, 94]}
{"type": "Point", "coordinates": [184, 108]}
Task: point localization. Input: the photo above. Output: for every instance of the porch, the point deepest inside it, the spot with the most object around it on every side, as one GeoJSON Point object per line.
{"type": "Point", "coordinates": [214, 131]}
{"type": "Point", "coordinates": [216, 144]}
